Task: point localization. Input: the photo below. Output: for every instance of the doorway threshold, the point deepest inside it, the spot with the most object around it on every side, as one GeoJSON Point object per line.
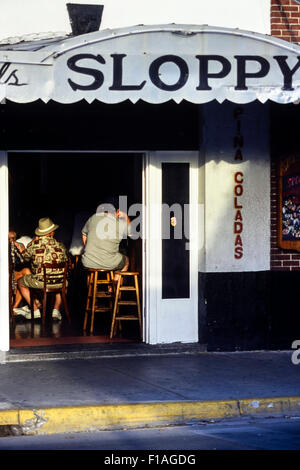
{"type": "Point", "coordinates": [65, 340]}
{"type": "Point", "coordinates": [100, 351]}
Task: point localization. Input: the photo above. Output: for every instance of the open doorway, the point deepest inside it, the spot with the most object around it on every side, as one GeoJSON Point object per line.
{"type": "Point", "coordinates": [68, 187]}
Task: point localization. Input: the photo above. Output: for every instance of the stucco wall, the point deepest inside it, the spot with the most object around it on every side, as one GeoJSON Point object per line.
{"type": "Point", "coordinates": [237, 192]}
{"type": "Point", "coordinates": [20, 17]}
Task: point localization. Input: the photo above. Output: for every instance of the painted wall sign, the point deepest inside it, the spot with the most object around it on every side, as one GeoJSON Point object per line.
{"type": "Point", "coordinates": [289, 203]}
{"type": "Point", "coordinates": [238, 141]}
{"type": "Point", "coordinates": [238, 218]}
{"type": "Point", "coordinates": [237, 204]}
{"type": "Point", "coordinates": [159, 63]}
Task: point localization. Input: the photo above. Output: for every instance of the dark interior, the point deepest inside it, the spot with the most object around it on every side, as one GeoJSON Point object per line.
{"type": "Point", "coordinates": [68, 187]}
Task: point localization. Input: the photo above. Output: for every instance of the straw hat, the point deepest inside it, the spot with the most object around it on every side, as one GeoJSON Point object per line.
{"type": "Point", "coordinates": [45, 226]}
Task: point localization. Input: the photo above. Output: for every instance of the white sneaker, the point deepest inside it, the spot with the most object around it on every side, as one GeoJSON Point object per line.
{"type": "Point", "coordinates": [26, 309]}
{"type": "Point", "coordinates": [19, 311]}
{"type": "Point", "coordinates": [36, 314]}
{"type": "Point", "coordinates": [56, 314]}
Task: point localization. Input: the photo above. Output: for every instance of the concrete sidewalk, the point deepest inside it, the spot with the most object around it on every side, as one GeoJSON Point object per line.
{"type": "Point", "coordinates": [68, 389]}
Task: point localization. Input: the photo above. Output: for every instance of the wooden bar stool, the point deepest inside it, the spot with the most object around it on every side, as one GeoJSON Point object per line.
{"type": "Point", "coordinates": [120, 301]}
{"type": "Point", "coordinates": [98, 288]}
{"type": "Point", "coordinates": [55, 282]}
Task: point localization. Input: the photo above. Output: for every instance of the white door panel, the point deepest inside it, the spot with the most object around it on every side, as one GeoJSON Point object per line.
{"type": "Point", "coordinates": [170, 319]}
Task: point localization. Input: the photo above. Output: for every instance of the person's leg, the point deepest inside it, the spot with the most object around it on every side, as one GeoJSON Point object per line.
{"type": "Point", "coordinates": [125, 268]}
{"type": "Point", "coordinates": [18, 275]}
{"type": "Point", "coordinates": [25, 292]}
{"type": "Point", "coordinates": [57, 303]}
{"type": "Point", "coordinates": [56, 308]}
{"type": "Point", "coordinates": [18, 298]}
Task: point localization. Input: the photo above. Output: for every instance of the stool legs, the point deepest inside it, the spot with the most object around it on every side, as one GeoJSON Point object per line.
{"type": "Point", "coordinates": [136, 282]}
{"type": "Point", "coordinates": [94, 293]}
{"type": "Point", "coordinates": [117, 316]}
{"type": "Point", "coordinates": [87, 308]}
{"type": "Point", "coordinates": [94, 289]}
{"type": "Point", "coordinates": [116, 308]}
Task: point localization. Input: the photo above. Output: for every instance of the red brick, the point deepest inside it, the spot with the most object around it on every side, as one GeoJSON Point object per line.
{"type": "Point", "coordinates": [290, 8]}
{"type": "Point", "coordinates": [278, 20]}
{"type": "Point", "coordinates": [283, 3]}
{"type": "Point", "coordinates": [296, 257]}
{"type": "Point", "coordinates": [286, 34]}
{"type": "Point", "coordinates": [293, 30]}
{"type": "Point", "coordinates": [284, 257]}
{"type": "Point", "coordinates": [276, 14]}
{"type": "Point", "coordinates": [275, 264]}
{"type": "Point", "coordinates": [290, 263]}
{"type": "Point", "coordinates": [275, 8]}
{"type": "Point", "coordinates": [281, 269]}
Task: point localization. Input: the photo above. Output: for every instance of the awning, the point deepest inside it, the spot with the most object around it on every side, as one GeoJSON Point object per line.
{"type": "Point", "coordinates": [152, 63]}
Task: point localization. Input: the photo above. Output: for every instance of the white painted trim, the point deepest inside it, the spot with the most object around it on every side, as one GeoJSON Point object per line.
{"type": "Point", "coordinates": [4, 269]}
{"type": "Point", "coordinates": [144, 246]}
{"type": "Point", "coordinates": [161, 312]}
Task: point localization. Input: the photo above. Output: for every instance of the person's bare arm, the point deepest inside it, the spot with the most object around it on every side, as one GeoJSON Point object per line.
{"type": "Point", "coordinates": [122, 215]}
{"type": "Point", "coordinates": [19, 246]}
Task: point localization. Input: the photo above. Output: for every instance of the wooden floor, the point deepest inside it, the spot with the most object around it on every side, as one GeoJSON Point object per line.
{"type": "Point", "coordinates": [50, 341]}
{"type": "Point", "coordinates": [23, 333]}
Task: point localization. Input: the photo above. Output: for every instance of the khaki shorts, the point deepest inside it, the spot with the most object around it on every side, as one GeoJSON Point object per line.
{"type": "Point", "coordinates": [121, 264]}
{"type": "Point", "coordinates": [32, 283]}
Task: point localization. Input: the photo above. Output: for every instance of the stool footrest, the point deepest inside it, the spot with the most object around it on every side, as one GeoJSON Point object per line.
{"type": "Point", "coordinates": [104, 295]}
{"type": "Point", "coordinates": [127, 317]}
{"type": "Point", "coordinates": [98, 309]}
{"type": "Point", "coordinates": [127, 302]}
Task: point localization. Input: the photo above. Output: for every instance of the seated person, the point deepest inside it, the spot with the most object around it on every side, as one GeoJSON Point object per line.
{"type": "Point", "coordinates": [24, 240]}
{"type": "Point", "coordinates": [44, 248]}
{"type": "Point", "coordinates": [19, 269]}
{"type": "Point", "coordinates": [102, 235]}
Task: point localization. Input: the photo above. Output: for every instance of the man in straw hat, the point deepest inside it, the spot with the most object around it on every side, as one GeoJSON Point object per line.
{"type": "Point", "coordinates": [44, 248]}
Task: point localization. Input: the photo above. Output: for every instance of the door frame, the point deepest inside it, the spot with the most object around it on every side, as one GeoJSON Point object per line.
{"type": "Point", "coordinates": [4, 228]}
{"type": "Point", "coordinates": [4, 268]}
{"type": "Point", "coordinates": [160, 312]}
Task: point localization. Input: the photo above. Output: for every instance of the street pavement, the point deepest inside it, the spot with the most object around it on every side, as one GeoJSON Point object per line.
{"type": "Point", "coordinates": [268, 434]}
{"type": "Point", "coordinates": [66, 389]}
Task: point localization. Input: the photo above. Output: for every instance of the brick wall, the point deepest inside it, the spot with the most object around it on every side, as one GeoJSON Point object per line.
{"type": "Point", "coordinates": [285, 24]}
{"type": "Point", "coordinates": [285, 20]}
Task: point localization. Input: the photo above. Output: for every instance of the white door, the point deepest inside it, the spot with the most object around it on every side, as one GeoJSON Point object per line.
{"type": "Point", "coordinates": [4, 271]}
{"type": "Point", "coordinates": [171, 247]}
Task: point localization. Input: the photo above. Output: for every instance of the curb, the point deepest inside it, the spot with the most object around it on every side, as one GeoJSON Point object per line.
{"type": "Point", "coordinates": [120, 416]}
